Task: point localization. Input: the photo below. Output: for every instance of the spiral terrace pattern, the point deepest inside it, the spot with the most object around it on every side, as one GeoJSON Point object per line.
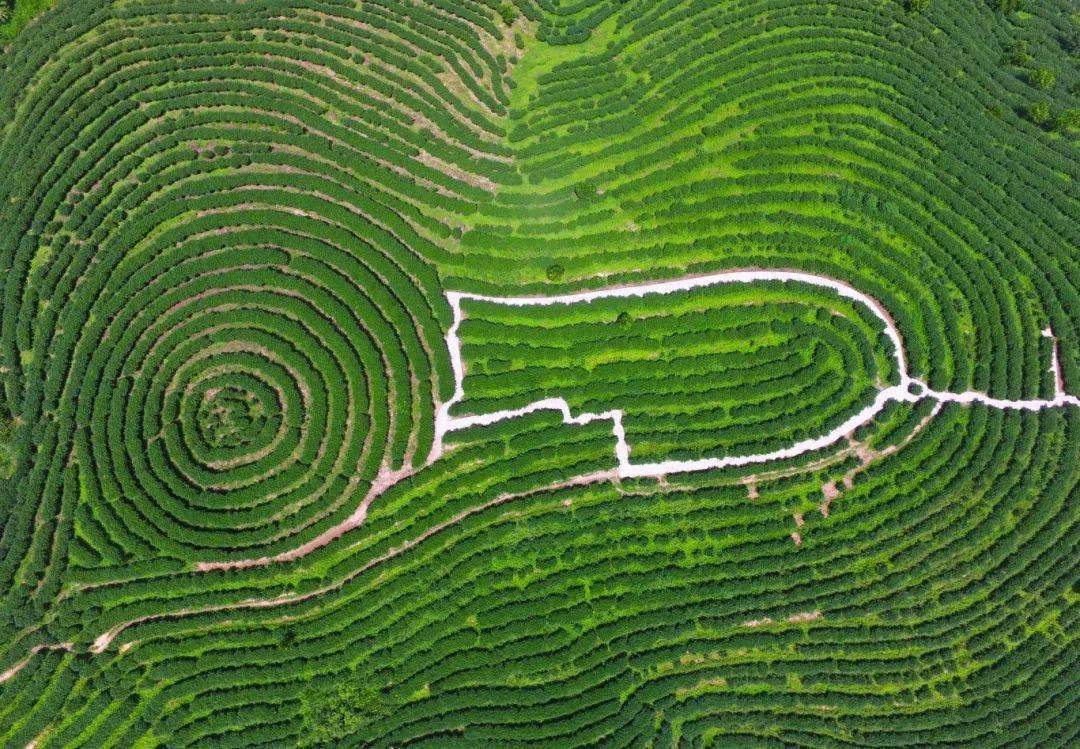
{"type": "Point", "coordinates": [227, 230]}
{"type": "Point", "coordinates": [211, 255]}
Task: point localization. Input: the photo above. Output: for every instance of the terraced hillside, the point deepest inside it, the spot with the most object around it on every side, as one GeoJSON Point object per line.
{"type": "Point", "coordinates": [286, 460]}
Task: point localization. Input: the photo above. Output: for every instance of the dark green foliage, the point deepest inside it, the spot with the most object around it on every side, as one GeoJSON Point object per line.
{"type": "Point", "coordinates": [1070, 41]}
{"type": "Point", "coordinates": [585, 190]}
{"type": "Point", "coordinates": [7, 446]}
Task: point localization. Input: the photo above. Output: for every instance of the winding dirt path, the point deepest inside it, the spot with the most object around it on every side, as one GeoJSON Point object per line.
{"type": "Point", "coordinates": [909, 389]}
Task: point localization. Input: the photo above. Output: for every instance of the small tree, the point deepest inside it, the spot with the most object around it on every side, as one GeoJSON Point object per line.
{"type": "Point", "coordinates": [336, 712]}
{"type": "Point", "coordinates": [1019, 55]}
{"type": "Point", "coordinates": [585, 190]}
{"type": "Point", "coordinates": [1068, 120]}
{"type": "Point", "coordinates": [555, 272]}
{"type": "Point", "coordinates": [1039, 112]}
{"type": "Point", "coordinates": [1042, 78]}
{"type": "Point", "coordinates": [916, 6]}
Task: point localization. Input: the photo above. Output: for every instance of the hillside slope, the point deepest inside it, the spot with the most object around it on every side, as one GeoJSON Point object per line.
{"type": "Point", "coordinates": [227, 234]}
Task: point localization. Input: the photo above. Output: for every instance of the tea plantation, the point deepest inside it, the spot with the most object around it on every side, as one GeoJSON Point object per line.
{"type": "Point", "coordinates": [540, 373]}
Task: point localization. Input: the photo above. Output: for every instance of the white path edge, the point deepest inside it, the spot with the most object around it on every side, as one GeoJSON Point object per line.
{"type": "Point", "coordinates": [909, 389]}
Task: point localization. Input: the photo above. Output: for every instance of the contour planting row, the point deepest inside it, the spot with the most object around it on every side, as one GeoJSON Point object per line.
{"type": "Point", "coordinates": [561, 605]}
{"type": "Point", "coordinates": [248, 226]}
{"type": "Point", "coordinates": [756, 147]}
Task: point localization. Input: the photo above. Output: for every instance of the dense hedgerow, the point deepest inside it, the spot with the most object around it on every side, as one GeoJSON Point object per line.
{"type": "Point", "coordinates": [226, 231]}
